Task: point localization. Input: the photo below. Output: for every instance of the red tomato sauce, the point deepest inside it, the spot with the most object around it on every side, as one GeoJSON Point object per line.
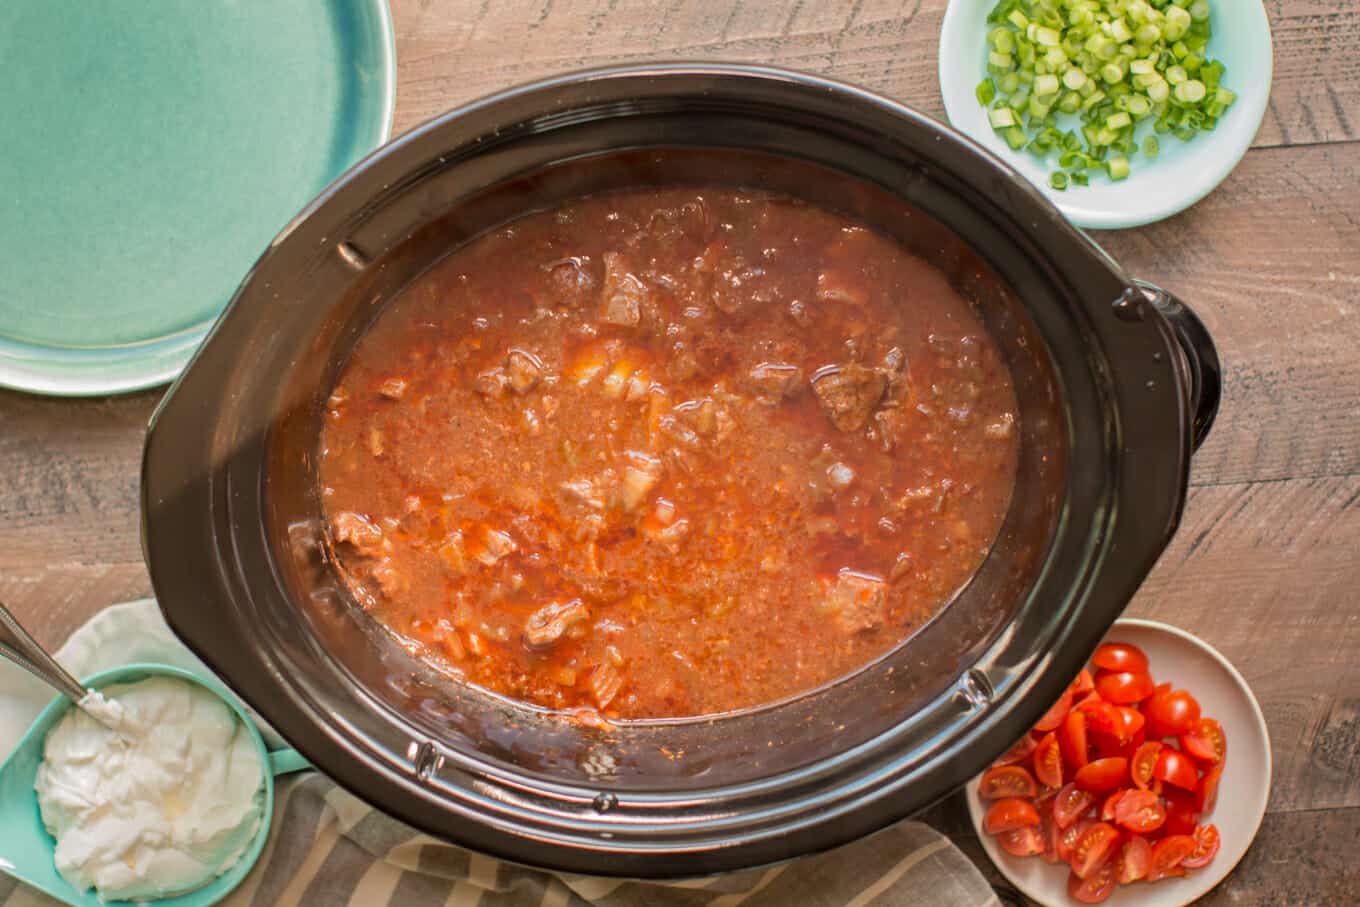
{"type": "Point", "coordinates": [665, 453]}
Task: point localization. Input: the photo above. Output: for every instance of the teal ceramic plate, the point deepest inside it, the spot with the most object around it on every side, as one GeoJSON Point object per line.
{"type": "Point", "coordinates": [151, 152]}
{"type": "Point", "coordinates": [1182, 174]}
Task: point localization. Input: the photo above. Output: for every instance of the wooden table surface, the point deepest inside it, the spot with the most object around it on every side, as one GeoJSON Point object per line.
{"type": "Point", "coordinates": [1267, 564]}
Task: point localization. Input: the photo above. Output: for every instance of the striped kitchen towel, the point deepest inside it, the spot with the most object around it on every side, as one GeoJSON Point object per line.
{"type": "Point", "coordinates": [328, 848]}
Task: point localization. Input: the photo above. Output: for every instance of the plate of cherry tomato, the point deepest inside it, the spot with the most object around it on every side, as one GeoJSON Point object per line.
{"type": "Point", "coordinates": [1145, 783]}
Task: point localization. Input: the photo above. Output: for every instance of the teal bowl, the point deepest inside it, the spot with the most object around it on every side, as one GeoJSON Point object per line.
{"type": "Point", "coordinates": [28, 848]}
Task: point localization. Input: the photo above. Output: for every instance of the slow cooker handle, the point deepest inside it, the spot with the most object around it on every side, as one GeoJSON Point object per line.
{"type": "Point", "coordinates": [1205, 389]}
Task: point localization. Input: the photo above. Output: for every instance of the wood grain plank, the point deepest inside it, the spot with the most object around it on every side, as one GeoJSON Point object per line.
{"type": "Point", "coordinates": [52, 601]}
{"type": "Point", "coordinates": [454, 51]}
{"type": "Point", "coordinates": [69, 474]}
{"type": "Point", "coordinates": [1315, 96]}
{"type": "Point", "coordinates": [1271, 262]}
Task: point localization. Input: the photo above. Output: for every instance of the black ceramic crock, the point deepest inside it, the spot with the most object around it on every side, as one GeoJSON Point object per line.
{"type": "Point", "coordinates": [1117, 384]}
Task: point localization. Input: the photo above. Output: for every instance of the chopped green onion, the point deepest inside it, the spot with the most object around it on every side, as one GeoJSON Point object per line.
{"type": "Point", "coordinates": [1074, 78]}
{"type": "Point", "coordinates": [1047, 37]}
{"type": "Point", "coordinates": [1078, 78]}
{"type": "Point", "coordinates": [1118, 120]}
{"type": "Point", "coordinates": [1191, 91]}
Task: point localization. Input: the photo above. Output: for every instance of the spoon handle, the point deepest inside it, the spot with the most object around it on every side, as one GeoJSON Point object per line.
{"type": "Point", "coordinates": [23, 650]}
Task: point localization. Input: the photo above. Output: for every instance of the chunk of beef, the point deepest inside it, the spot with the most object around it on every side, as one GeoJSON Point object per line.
{"type": "Point", "coordinates": [856, 600]}
{"type": "Point", "coordinates": [548, 624]}
{"type": "Point", "coordinates": [624, 292]}
{"type": "Point", "coordinates": [773, 381]}
{"type": "Point", "coordinates": [492, 382]}
{"type": "Point", "coordinates": [849, 395]}
{"type": "Point", "coordinates": [522, 371]}
{"type": "Point", "coordinates": [840, 283]}
{"type": "Point", "coordinates": [583, 491]}
{"type": "Point", "coordinates": [571, 279]}
{"type": "Point", "coordinates": [495, 546]}
{"type": "Point", "coordinates": [360, 533]}
{"type": "Point", "coordinates": [639, 478]}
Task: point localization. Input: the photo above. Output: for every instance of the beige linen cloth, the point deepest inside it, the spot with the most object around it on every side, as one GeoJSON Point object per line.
{"type": "Point", "coordinates": [327, 847]}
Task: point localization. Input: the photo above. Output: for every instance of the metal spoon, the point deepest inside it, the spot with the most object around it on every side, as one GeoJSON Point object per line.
{"type": "Point", "coordinates": [19, 647]}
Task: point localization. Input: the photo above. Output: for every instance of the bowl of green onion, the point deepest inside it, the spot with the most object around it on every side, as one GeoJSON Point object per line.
{"type": "Point", "coordinates": [1123, 112]}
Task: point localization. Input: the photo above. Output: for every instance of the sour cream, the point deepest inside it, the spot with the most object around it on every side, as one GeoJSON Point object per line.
{"type": "Point", "coordinates": [159, 796]}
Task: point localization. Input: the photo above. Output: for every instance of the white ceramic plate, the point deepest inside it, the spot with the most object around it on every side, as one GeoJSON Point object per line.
{"type": "Point", "coordinates": [1182, 174]}
{"type": "Point", "coordinates": [1194, 665]}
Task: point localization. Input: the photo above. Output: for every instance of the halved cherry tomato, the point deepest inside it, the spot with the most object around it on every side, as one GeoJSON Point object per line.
{"type": "Point", "coordinates": [1095, 848]}
{"type": "Point", "coordinates": [1103, 774]}
{"type": "Point", "coordinates": [1205, 741]}
{"type": "Point", "coordinates": [1131, 721]}
{"type": "Point", "coordinates": [1083, 684]}
{"type": "Point", "coordinates": [1070, 803]}
{"type": "Point", "coordinates": [1089, 700]}
{"type": "Point", "coordinates": [1120, 656]}
{"type": "Point", "coordinates": [1055, 714]}
{"type": "Point", "coordinates": [1140, 811]}
{"type": "Point", "coordinates": [1048, 767]}
{"type": "Point", "coordinates": [1051, 837]}
{"type": "Point", "coordinates": [1182, 812]}
{"type": "Point", "coordinates": [1207, 795]}
{"type": "Point", "coordinates": [1022, 842]}
{"type": "Point", "coordinates": [1007, 781]}
{"type": "Point", "coordinates": [1095, 889]}
{"type": "Point", "coordinates": [1206, 847]}
{"type": "Point", "coordinates": [1068, 838]}
{"type": "Point", "coordinates": [1072, 740]}
{"type": "Point", "coordinates": [1107, 808]}
{"type": "Point", "coordinates": [1019, 752]}
{"type": "Point", "coordinates": [1104, 747]}
{"type": "Point", "coordinates": [1133, 860]}
{"type": "Point", "coordinates": [1124, 687]}
{"type": "Point", "coordinates": [1102, 718]}
{"type": "Point", "coordinates": [1170, 712]}
{"type": "Point", "coordinates": [1174, 767]}
{"type": "Point", "coordinates": [1115, 728]}
{"type": "Point", "coordinates": [1144, 762]}
{"type": "Point", "coordinates": [1167, 855]}
{"type": "Point", "coordinates": [1009, 814]}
